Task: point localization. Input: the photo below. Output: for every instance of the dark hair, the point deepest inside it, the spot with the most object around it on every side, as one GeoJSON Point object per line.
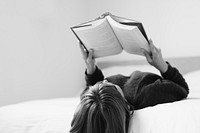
{"type": "Point", "coordinates": [101, 110]}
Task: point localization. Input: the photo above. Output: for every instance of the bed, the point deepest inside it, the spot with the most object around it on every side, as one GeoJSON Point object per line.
{"type": "Point", "coordinates": [55, 115]}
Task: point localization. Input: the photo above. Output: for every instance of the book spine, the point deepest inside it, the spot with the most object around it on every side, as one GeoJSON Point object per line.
{"type": "Point", "coordinates": [80, 41]}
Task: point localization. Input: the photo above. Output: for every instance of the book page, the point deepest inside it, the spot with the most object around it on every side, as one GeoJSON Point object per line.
{"type": "Point", "coordinates": [100, 37]}
{"type": "Point", "coordinates": [130, 37]}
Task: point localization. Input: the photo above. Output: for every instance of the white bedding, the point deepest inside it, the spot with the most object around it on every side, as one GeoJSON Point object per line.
{"type": "Point", "coordinates": [40, 116]}
{"type": "Point", "coordinates": [54, 115]}
{"type": "Point", "coordinates": [178, 117]}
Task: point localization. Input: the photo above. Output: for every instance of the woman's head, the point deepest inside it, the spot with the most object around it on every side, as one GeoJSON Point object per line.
{"type": "Point", "coordinates": [103, 109]}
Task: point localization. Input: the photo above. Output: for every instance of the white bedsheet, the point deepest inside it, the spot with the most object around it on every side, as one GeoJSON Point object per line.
{"type": "Point", "coordinates": [55, 115]}
{"type": "Point", "coordinates": [40, 116]}
{"type": "Point", "coordinates": [178, 117]}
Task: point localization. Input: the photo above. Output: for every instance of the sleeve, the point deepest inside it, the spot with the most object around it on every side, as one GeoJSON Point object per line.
{"type": "Point", "coordinates": [92, 79]}
{"type": "Point", "coordinates": [175, 76]}
{"type": "Point", "coordinates": [172, 87]}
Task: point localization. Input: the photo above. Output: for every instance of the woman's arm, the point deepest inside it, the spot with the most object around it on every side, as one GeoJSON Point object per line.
{"type": "Point", "coordinates": [174, 75]}
{"type": "Point", "coordinates": [172, 87]}
{"type": "Point", "coordinates": [167, 71]}
{"type": "Point", "coordinates": [92, 79]}
{"type": "Point", "coordinates": [92, 74]}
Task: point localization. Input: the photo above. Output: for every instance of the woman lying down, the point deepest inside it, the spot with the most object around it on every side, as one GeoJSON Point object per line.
{"type": "Point", "coordinates": [107, 103]}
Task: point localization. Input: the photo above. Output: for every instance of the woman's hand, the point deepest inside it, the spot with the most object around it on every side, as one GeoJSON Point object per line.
{"type": "Point", "coordinates": [155, 58]}
{"type": "Point", "coordinates": [89, 59]}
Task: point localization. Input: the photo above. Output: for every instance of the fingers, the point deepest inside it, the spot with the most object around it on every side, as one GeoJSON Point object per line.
{"type": "Point", "coordinates": [154, 50]}
{"type": "Point", "coordinates": [152, 47]}
{"type": "Point", "coordinates": [91, 54]}
{"type": "Point", "coordinates": [147, 55]}
{"type": "Point", "coordinates": [87, 55]}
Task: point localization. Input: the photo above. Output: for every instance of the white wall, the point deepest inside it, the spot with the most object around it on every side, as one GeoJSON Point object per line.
{"type": "Point", "coordinates": [39, 55]}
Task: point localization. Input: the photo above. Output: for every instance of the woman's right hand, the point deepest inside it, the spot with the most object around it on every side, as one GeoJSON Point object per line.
{"type": "Point", "coordinates": [89, 59]}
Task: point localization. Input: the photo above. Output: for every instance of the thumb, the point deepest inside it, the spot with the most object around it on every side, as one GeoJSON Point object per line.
{"type": "Point", "coordinates": [147, 55]}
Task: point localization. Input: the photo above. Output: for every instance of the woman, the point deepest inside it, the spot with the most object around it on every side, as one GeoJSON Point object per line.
{"type": "Point", "coordinates": [107, 104]}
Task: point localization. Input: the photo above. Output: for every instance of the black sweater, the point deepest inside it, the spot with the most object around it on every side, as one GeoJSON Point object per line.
{"type": "Point", "coordinates": [143, 89]}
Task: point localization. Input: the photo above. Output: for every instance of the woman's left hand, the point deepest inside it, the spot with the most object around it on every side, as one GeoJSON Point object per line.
{"type": "Point", "coordinates": [155, 57]}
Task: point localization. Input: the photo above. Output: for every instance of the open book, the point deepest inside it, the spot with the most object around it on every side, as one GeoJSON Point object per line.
{"type": "Point", "coordinates": [110, 35]}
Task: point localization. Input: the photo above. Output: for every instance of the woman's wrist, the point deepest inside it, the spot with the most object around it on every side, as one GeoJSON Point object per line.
{"type": "Point", "coordinates": [163, 67]}
{"type": "Point", "coordinates": [91, 70]}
